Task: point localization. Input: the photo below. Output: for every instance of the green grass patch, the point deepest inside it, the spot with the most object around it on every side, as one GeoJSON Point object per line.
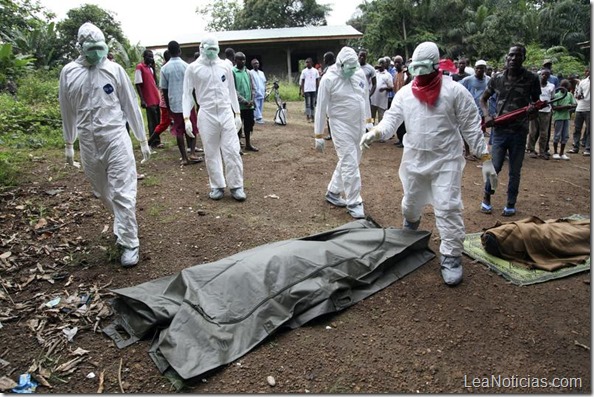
{"type": "Point", "coordinates": [11, 164]}
{"type": "Point", "coordinates": [156, 210]}
{"type": "Point", "coordinates": [150, 181]}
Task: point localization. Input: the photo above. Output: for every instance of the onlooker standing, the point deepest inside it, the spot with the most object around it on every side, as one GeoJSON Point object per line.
{"type": "Point", "coordinates": [401, 78]}
{"type": "Point", "coordinates": [392, 70]}
{"type": "Point", "coordinates": [211, 79]}
{"type": "Point", "coordinates": [516, 88]}
{"type": "Point", "coordinates": [561, 118]}
{"type": "Point", "coordinates": [539, 127]}
{"type": "Point", "coordinates": [379, 99]}
{"type": "Point", "coordinates": [259, 79]}
{"type": "Point", "coordinates": [461, 70]}
{"type": "Point", "coordinates": [308, 86]}
{"type": "Point", "coordinates": [96, 100]}
{"type": "Point", "coordinates": [368, 70]}
{"type": "Point", "coordinates": [582, 115]}
{"type": "Point", "coordinates": [548, 64]}
{"type": "Point", "coordinates": [165, 116]}
{"type": "Point", "coordinates": [245, 95]}
{"type": "Point", "coordinates": [229, 56]}
{"type": "Point", "coordinates": [476, 84]}
{"type": "Point", "coordinates": [145, 80]}
{"type": "Point", "coordinates": [172, 82]}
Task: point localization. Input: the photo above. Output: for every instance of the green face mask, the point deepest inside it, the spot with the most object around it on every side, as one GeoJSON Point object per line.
{"type": "Point", "coordinates": [94, 52]}
{"type": "Point", "coordinates": [212, 53]}
{"type": "Point", "coordinates": [348, 70]}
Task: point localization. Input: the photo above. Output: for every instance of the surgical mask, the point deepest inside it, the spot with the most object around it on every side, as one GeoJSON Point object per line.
{"type": "Point", "coordinates": [419, 68]}
{"type": "Point", "coordinates": [348, 70]}
{"type": "Point", "coordinates": [211, 52]}
{"type": "Point", "coordinates": [94, 51]}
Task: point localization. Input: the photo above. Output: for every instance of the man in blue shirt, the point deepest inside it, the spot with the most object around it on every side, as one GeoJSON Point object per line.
{"type": "Point", "coordinates": [477, 84]}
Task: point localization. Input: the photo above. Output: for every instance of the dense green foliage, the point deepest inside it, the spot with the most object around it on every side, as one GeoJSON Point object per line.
{"type": "Point", "coordinates": [12, 67]}
{"type": "Point", "coordinates": [29, 121]}
{"type": "Point", "coordinates": [473, 28]}
{"type": "Point", "coordinates": [104, 20]}
{"type": "Point", "coordinates": [33, 46]}
{"type": "Point", "coordinates": [263, 14]}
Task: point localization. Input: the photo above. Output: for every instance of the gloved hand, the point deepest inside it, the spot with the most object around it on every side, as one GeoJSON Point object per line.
{"type": "Point", "coordinates": [320, 143]}
{"type": "Point", "coordinates": [368, 138]}
{"type": "Point", "coordinates": [237, 122]}
{"type": "Point", "coordinates": [368, 126]}
{"type": "Point", "coordinates": [69, 153]}
{"type": "Point", "coordinates": [490, 174]}
{"type": "Point", "coordinates": [188, 125]}
{"type": "Point", "coordinates": [146, 152]}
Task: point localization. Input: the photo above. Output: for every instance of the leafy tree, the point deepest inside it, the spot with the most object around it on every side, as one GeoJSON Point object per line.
{"type": "Point", "coordinates": [221, 14]}
{"type": "Point", "coordinates": [266, 14]}
{"type": "Point", "coordinates": [565, 23]}
{"type": "Point", "coordinates": [12, 67]}
{"type": "Point", "coordinates": [126, 54]}
{"type": "Point", "coordinates": [21, 15]}
{"type": "Point", "coordinates": [473, 28]}
{"type": "Point", "coordinates": [103, 19]}
{"type": "Point", "coordinates": [563, 61]}
{"type": "Point", "coordinates": [40, 41]}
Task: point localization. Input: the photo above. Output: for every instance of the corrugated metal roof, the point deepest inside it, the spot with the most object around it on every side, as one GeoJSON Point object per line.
{"type": "Point", "coordinates": [268, 35]}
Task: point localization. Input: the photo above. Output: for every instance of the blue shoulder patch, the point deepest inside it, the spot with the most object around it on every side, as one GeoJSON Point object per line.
{"type": "Point", "coordinates": [361, 84]}
{"type": "Point", "coordinates": [108, 88]}
{"type": "Point", "coordinates": [223, 78]}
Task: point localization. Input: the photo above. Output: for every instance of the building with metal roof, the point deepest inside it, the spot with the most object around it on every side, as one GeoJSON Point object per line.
{"type": "Point", "coordinates": [279, 51]}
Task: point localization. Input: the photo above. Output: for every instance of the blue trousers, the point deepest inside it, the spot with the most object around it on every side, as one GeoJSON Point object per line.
{"type": "Point", "coordinates": [514, 145]}
{"type": "Point", "coordinates": [310, 103]}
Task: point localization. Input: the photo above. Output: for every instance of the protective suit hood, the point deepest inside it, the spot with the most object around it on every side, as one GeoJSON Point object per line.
{"type": "Point", "coordinates": [209, 49]}
{"type": "Point", "coordinates": [347, 62]}
{"type": "Point", "coordinates": [91, 44]}
{"type": "Point", "coordinates": [425, 59]}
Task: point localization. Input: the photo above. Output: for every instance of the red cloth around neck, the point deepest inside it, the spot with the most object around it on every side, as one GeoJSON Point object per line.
{"type": "Point", "coordinates": [426, 88]}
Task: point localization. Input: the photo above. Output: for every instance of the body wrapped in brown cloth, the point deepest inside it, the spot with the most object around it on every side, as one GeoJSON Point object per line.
{"type": "Point", "coordinates": [547, 245]}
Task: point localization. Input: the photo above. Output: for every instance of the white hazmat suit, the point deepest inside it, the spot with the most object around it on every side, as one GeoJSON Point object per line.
{"type": "Point", "coordinates": [432, 159]}
{"type": "Point", "coordinates": [96, 99]}
{"type": "Point", "coordinates": [213, 81]}
{"type": "Point", "coordinates": [344, 99]}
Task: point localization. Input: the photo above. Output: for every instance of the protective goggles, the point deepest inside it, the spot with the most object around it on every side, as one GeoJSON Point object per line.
{"type": "Point", "coordinates": [419, 68]}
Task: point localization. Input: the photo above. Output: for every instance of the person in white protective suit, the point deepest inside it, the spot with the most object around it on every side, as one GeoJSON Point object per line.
{"type": "Point", "coordinates": [219, 118]}
{"type": "Point", "coordinates": [435, 110]}
{"type": "Point", "coordinates": [343, 96]}
{"type": "Point", "coordinates": [96, 99]}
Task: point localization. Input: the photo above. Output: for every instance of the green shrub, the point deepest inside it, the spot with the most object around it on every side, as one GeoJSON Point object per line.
{"type": "Point", "coordinates": [31, 126]}
{"type": "Point", "coordinates": [39, 87]}
{"type": "Point", "coordinates": [10, 165]}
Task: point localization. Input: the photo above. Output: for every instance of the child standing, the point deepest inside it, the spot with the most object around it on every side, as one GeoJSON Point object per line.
{"type": "Point", "coordinates": [561, 119]}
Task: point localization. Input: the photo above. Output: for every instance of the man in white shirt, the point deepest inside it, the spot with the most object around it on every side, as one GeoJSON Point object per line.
{"type": "Point", "coordinates": [308, 87]}
{"type": "Point", "coordinates": [385, 84]}
{"type": "Point", "coordinates": [582, 115]}
{"type": "Point", "coordinates": [259, 79]}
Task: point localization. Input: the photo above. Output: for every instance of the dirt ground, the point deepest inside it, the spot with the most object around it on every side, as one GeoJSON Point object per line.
{"type": "Point", "coordinates": [417, 335]}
